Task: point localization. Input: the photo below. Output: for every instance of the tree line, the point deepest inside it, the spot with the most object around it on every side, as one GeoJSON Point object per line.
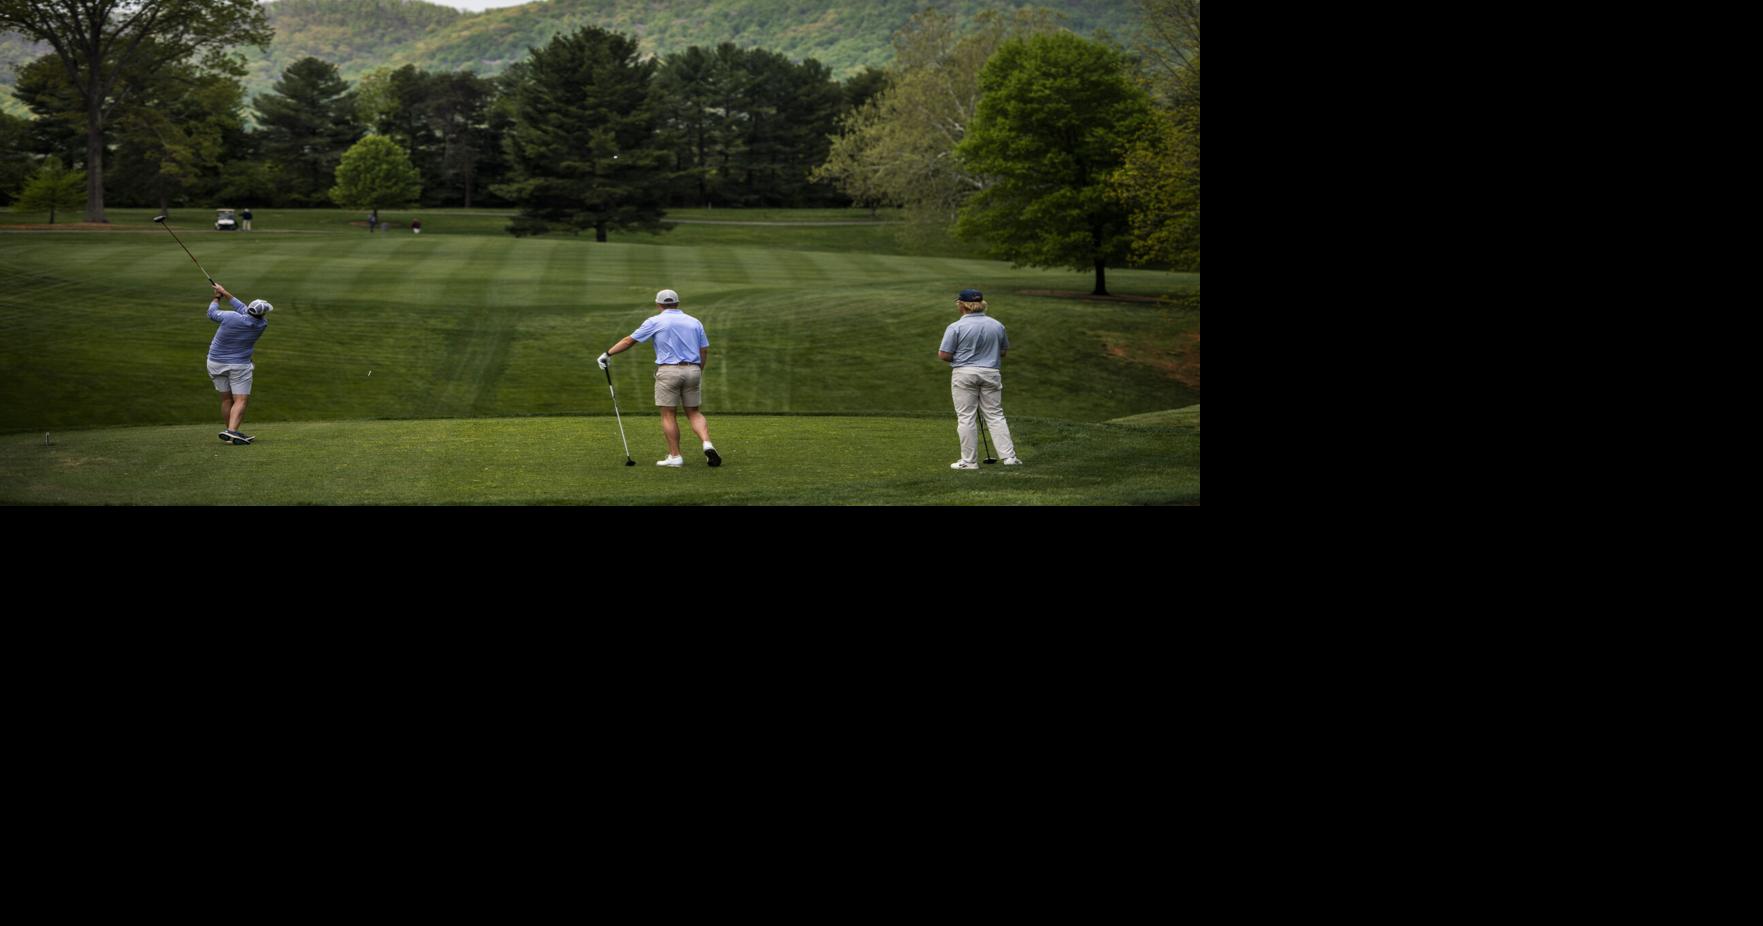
{"type": "Point", "coordinates": [169, 126]}
{"type": "Point", "coordinates": [1046, 148]}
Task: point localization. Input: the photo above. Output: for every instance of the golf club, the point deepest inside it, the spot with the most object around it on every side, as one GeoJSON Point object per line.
{"type": "Point", "coordinates": [982, 438]}
{"type": "Point", "coordinates": [627, 444]}
{"type": "Point", "coordinates": [160, 221]}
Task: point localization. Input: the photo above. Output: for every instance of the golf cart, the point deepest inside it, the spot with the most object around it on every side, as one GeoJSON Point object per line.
{"type": "Point", "coordinates": [225, 221]}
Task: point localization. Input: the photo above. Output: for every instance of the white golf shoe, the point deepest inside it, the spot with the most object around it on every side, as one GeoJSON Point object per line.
{"type": "Point", "coordinates": [963, 464]}
{"type": "Point", "coordinates": [671, 461]}
{"type": "Point", "coordinates": [1013, 462]}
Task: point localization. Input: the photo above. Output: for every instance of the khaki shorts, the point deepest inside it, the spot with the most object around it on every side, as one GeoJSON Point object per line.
{"type": "Point", "coordinates": [679, 384]}
{"type": "Point", "coordinates": [231, 377]}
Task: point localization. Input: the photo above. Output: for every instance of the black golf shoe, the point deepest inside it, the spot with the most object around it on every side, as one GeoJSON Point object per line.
{"type": "Point", "coordinates": [711, 455]}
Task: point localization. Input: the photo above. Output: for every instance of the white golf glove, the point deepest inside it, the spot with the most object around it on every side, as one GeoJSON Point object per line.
{"type": "Point", "coordinates": [604, 360]}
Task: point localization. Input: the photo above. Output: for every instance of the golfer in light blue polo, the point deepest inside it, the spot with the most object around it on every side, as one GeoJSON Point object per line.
{"type": "Point", "coordinates": [681, 352]}
{"type": "Point", "coordinates": [975, 347]}
{"type": "Point", "coordinates": [229, 357]}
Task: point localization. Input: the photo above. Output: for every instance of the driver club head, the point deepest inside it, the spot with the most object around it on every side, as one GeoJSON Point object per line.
{"type": "Point", "coordinates": [159, 218]}
{"type": "Point", "coordinates": [630, 462]}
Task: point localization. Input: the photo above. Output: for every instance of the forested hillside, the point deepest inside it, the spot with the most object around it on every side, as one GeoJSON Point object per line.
{"type": "Point", "coordinates": [360, 35]}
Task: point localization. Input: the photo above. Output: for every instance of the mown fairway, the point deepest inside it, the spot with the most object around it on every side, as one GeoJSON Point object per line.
{"type": "Point", "coordinates": [106, 329]}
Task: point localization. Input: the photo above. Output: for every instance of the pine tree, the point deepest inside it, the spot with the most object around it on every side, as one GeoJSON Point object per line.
{"type": "Point", "coordinates": [306, 125]}
{"type": "Point", "coordinates": [583, 152]}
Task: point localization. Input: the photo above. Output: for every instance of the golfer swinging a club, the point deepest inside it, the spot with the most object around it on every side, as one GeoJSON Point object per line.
{"type": "Point", "coordinates": [229, 357]}
{"type": "Point", "coordinates": [681, 350]}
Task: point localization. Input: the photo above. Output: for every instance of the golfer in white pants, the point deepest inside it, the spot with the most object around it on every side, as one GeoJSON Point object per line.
{"type": "Point", "coordinates": [975, 346]}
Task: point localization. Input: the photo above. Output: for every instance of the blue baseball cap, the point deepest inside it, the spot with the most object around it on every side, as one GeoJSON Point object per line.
{"type": "Point", "coordinates": [971, 295]}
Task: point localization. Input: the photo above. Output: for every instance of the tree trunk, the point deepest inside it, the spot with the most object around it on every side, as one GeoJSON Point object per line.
{"type": "Point", "coordinates": [600, 232]}
{"type": "Point", "coordinates": [95, 161]}
{"type": "Point", "coordinates": [1101, 278]}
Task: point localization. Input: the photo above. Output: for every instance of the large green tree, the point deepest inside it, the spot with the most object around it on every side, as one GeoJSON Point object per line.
{"type": "Point", "coordinates": [173, 145]}
{"type": "Point", "coordinates": [582, 153]}
{"type": "Point", "coordinates": [169, 142]}
{"type": "Point", "coordinates": [304, 128]}
{"type": "Point", "coordinates": [897, 147]}
{"type": "Point", "coordinates": [108, 47]}
{"type": "Point", "coordinates": [376, 174]}
{"type": "Point", "coordinates": [1056, 114]}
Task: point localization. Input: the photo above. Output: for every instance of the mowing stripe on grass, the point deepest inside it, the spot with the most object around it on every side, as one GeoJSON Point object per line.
{"type": "Point", "coordinates": [565, 274]}
{"type": "Point", "coordinates": [492, 325]}
{"type": "Point", "coordinates": [477, 346]}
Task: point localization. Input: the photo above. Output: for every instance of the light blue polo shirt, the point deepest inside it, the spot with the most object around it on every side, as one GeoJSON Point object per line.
{"type": "Point", "coordinates": [238, 333]}
{"type": "Point", "coordinates": [975, 339]}
{"type": "Point", "coordinates": [678, 337]}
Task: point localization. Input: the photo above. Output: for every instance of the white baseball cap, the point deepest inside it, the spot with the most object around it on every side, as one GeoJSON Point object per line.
{"type": "Point", "coordinates": [667, 297]}
{"type": "Point", "coordinates": [259, 307]}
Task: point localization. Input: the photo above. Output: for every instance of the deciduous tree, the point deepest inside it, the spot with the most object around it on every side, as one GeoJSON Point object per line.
{"type": "Point", "coordinates": [53, 189]}
{"type": "Point", "coordinates": [1049, 133]}
{"type": "Point", "coordinates": [106, 47]}
{"type": "Point", "coordinates": [376, 174]}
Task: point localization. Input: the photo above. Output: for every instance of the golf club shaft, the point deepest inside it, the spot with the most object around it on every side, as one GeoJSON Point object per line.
{"type": "Point", "coordinates": [193, 260]}
{"type": "Point", "coordinates": [982, 436]}
{"type": "Point", "coordinates": [615, 414]}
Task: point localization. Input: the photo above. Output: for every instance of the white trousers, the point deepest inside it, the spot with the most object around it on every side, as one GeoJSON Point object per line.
{"type": "Point", "coordinates": [977, 391]}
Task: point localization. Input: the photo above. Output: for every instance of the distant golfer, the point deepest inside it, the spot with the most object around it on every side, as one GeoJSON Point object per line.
{"type": "Point", "coordinates": [229, 357]}
{"type": "Point", "coordinates": [975, 347]}
{"type": "Point", "coordinates": [681, 351]}
{"type": "Point", "coordinates": [246, 215]}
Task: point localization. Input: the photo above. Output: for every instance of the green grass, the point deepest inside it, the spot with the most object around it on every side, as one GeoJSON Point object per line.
{"type": "Point", "coordinates": [800, 460]}
{"type": "Point", "coordinates": [719, 228]}
{"type": "Point", "coordinates": [1173, 418]}
{"type": "Point", "coordinates": [106, 329]}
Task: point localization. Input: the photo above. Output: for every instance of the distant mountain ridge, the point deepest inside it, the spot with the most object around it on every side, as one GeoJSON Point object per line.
{"type": "Point", "coordinates": [360, 35]}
